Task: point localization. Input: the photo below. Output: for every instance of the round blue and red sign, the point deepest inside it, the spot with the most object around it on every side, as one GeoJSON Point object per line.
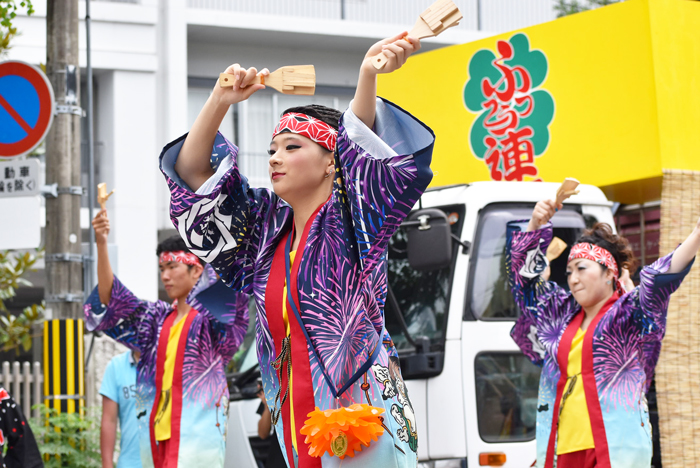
{"type": "Point", "coordinates": [26, 108]}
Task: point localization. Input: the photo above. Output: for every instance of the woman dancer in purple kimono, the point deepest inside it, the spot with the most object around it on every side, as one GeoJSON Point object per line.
{"type": "Point", "coordinates": [597, 344]}
{"type": "Point", "coordinates": [313, 253]}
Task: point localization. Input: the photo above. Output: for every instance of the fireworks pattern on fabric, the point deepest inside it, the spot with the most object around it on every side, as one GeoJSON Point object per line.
{"type": "Point", "coordinates": [626, 340]}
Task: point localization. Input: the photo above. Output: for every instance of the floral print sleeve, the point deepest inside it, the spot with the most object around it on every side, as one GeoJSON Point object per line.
{"type": "Point", "coordinates": [539, 301]}
{"type": "Point", "coordinates": [654, 292]}
{"type": "Point", "coordinates": [384, 174]}
{"type": "Point", "coordinates": [226, 312]}
{"type": "Point", "coordinates": [123, 318]}
{"type": "Point", "coordinates": [220, 222]}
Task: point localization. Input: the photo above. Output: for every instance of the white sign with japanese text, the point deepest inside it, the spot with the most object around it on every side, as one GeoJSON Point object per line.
{"type": "Point", "coordinates": [19, 178]}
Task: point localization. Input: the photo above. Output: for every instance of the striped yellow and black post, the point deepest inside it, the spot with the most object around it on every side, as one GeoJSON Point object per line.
{"type": "Point", "coordinates": [64, 368]}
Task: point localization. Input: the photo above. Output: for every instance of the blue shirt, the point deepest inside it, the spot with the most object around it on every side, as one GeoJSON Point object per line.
{"type": "Point", "coordinates": [119, 385]}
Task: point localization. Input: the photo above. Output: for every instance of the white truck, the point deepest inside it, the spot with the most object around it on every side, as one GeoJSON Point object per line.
{"type": "Point", "coordinates": [473, 392]}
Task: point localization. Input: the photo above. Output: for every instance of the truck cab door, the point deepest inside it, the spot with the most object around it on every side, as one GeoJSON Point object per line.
{"type": "Point", "coordinates": [500, 383]}
{"type": "Point", "coordinates": [417, 313]}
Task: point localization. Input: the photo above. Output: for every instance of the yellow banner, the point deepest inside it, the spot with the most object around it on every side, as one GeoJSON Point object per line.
{"type": "Point", "coordinates": [591, 96]}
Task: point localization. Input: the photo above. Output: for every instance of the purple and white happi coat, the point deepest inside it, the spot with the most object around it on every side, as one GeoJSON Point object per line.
{"type": "Point", "coordinates": [342, 280]}
{"type": "Point", "coordinates": [626, 344]}
{"type": "Point", "coordinates": [215, 333]}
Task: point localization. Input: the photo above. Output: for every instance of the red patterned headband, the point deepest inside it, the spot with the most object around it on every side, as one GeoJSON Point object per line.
{"type": "Point", "coordinates": [313, 129]}
{"type": "Point", "coordinates": [597, 254]}
{"type": "Point", "coordinates": [179, 256]}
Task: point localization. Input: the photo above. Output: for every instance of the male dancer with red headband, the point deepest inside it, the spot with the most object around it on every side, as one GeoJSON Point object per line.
{"type": "Point", "coordinates": [182, 396]}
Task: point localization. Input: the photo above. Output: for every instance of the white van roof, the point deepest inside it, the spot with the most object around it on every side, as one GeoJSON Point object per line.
{"type": "Point", "coordinates": [484, 193]}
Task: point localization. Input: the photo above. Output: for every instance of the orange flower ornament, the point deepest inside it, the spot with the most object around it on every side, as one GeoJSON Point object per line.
{"type": "Point", "coordinates": [342, 431]}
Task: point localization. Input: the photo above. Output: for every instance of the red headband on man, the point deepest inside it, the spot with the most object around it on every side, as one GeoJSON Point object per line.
{"type": "Point", "coordinates": [179, 256]}
{"type": "Point", "coordinates": [313, 129]}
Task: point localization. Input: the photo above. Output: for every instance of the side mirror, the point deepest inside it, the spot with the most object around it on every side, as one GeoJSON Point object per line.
{"type": "Point", "coordinates": [429, 240]}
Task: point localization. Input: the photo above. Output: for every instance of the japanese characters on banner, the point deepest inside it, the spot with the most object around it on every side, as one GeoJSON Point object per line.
{"type": "Point", "coordinates": [514, 111]}
{"type": "Point", "coordinates": [596, 96]}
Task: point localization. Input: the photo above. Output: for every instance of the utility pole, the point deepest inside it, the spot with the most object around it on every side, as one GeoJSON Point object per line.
{"type": "Point", "coordinates": [63, 329]}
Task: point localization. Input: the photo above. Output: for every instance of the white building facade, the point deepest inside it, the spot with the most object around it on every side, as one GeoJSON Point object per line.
{"type": "Point", "coordinates": [155, 62]}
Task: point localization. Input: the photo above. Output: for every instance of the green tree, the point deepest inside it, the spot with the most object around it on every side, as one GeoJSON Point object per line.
{"type": "Point", "coordinates": [68, 439]}
{"type": "Point", "coordinates": [569, 7]}
{"type": "Point", "coordinates": [16, 331]}
{"type": "Point", "coordinates": [8, 12]}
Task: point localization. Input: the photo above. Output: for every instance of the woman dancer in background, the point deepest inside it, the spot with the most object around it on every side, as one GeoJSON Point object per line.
{"type": "Point", "coordinates": [598, 345]}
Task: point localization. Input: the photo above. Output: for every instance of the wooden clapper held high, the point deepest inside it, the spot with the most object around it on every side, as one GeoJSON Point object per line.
{"type": "Point", "coordinates": [102, 195]}
{"type": "Point", "coordinates": [292, 79]}
{"type": "Point", "coordinates": [439, 16]}
{"type": "Point", "coordinates": [567, 188]}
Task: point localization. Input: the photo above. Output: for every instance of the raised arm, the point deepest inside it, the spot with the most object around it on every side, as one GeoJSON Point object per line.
{"type": "Point", "coordinates": [543, 212]}
{"type": "Point", "coordinates": [397, 50]}
{"type": "Point", "coordinates": [384, 156]}
{"type": "Point", "coordinates": [540, 301]}
{"type": "Point", "coordinates": [105, 276]}
{"type": "Point", "coordinates": [686, 251]}
{"type": "Point", "coordinates": [111, 301]}
{"type": "Point", "coordinates": [657, 282]}
{"type": "Point", "coordinates": [193, 164]}
{"type": "Point", "coordinates": [111, 307]}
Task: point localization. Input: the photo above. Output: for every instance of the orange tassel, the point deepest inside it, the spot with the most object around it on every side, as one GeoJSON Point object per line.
{"type": "Point", "coordinates": [342, 431]}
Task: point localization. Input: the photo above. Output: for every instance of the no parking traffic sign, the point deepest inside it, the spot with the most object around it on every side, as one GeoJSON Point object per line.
{"type": "Point", "coordinates": [26, 108]}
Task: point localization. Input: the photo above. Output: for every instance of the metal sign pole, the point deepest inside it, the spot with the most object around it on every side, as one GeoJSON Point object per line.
{"type": "Point", "coordinates": [89, 265]}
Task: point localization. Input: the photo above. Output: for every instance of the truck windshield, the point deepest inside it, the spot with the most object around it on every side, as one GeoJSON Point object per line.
{"type": "Point", "coordinates": [423, 296]}
{"type": "Point", "coordinates": [489, 294]}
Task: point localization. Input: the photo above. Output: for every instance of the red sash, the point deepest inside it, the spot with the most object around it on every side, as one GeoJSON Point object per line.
{"type": "Point", "coordinates": [176, 389]}
{"type": "Point", "coordinates": [304, 402]}
{"type": "Point", "coordinates": [589, 385]}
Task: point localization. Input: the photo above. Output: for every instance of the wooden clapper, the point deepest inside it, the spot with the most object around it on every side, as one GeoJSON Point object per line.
{"type": "Point", "coordinates": [102, 195]}
{"type": "Point", "coordinates": [439, 16]}
{"type": "Point", "coordinates": [567, 188]}
{"type": "Point", "coordinates": [292, 79]}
